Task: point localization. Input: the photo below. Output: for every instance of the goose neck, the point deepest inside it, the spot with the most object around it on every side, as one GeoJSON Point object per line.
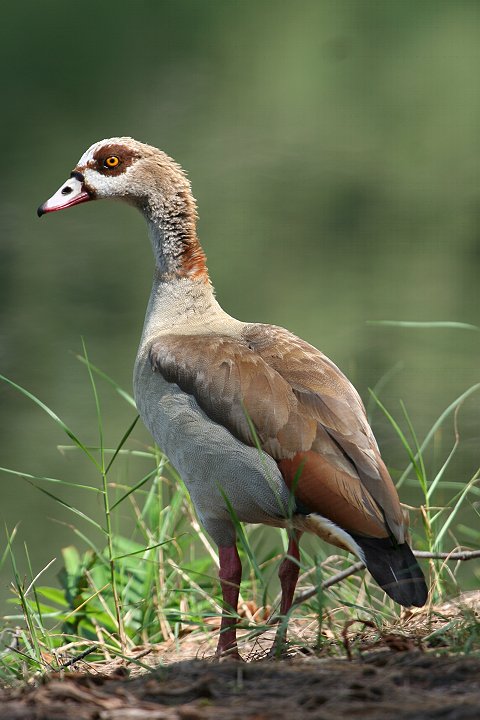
{"type": "Point", "coordinates": [171, 224]}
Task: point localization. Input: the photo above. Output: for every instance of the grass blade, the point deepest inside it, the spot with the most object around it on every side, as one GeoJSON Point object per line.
{"type": "Point", "coordinates": [141, 482]}
{"type": "Point", "coordinates": [449, 325]}
{"type": "Point", "coordinates": [146, 549]}
{"type": "Point", "coordinates": [399, 431]}
{"type": "Point", "coordinates": [422, 476]}
{"type": "Point", "coordinates": [97, 407]}
{"type": "Point", "coordinates": [458, 504]}
{"type": "Point", "coordinates": [126, 396]}
{"type": "Point", "coordinates": [121, 444]}
{"type": "Point", "coordinates": [435, 426]}
{"type": "Point", "coordinates": [53, 415]}
{"type": "Point", "coordinates": [28, 476]}
{"type": "Point", "coordinates": [67, 505]}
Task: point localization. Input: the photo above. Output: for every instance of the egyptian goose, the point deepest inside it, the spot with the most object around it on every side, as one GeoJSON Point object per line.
{"type": "Point", "coordinates": [260, 425]}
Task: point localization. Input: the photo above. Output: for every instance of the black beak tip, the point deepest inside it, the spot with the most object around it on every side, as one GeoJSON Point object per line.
{"type": "Point", "coordinates": [40, 211]}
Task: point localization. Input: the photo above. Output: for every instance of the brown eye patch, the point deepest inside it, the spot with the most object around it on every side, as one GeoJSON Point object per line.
{"type": "Point", "coordinates": [113, 159]}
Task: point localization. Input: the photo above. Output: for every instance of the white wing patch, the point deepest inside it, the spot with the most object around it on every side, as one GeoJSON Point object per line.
{"type": "Point", "coordinates": [328, 531]}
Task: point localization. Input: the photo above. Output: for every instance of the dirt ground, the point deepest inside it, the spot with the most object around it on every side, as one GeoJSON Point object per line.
{"type": "Point", "coordinates": [396, 676]}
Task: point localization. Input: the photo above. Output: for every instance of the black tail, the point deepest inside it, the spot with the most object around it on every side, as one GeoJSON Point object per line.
{"type": "Point", "coordinates": [395, 569]}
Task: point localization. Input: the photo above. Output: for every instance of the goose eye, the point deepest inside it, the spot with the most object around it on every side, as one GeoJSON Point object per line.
{"type": "Point", "coordinates": [111, 162]}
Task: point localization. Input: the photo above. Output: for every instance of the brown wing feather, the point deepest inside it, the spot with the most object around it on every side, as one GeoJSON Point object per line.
{"type": "Point", "coordinates": [235, 387]}
{"type": "Point", "coordinates": [298, 402]}
{"type": "Point", "coordinates": [326, 395]}
{"type": "Point", "coordinates": [333, 493]}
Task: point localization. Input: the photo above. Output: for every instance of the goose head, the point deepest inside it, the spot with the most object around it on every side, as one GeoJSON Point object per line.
{"type": "Point", "coordinates": [120, 168]}
{"type": "Point", "coordinates": [124, 169]}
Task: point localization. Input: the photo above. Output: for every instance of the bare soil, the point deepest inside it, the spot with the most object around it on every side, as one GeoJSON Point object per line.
{"type": "Point", "coordinates": [394, 677]}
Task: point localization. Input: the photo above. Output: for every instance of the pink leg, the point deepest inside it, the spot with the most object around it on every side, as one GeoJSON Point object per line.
{"type": "Point", "coordinates": [230, 577]}
{"type": "Point", "coordinates": [288, 574]}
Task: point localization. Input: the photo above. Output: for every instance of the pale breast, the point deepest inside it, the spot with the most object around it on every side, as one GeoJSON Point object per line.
{"type": "Point", "coordinates": [217, 469]}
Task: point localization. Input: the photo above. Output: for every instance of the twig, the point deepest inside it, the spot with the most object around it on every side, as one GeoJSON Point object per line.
{"type": "Point", "coordinates": [345, 638]}
{"type": "Point", "coordinates": [328, 583]}
{"type": "Point", "coordinates": [79, 657]}
{"type": "Point", "coordinates": [356, 567]}
{"type": "Point", "coordinates": [460, 555]}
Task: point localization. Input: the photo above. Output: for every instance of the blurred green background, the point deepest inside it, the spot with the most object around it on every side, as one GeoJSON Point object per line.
{"type": "Point", "coordinates": [333, 147]}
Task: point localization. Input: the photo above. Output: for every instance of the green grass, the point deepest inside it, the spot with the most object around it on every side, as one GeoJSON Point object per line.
{"type": "Point", "coordinates": [158, 580]}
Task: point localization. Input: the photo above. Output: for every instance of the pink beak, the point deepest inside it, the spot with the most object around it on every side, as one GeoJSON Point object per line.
{"type": "Point", "coordinates": [73, 192]}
